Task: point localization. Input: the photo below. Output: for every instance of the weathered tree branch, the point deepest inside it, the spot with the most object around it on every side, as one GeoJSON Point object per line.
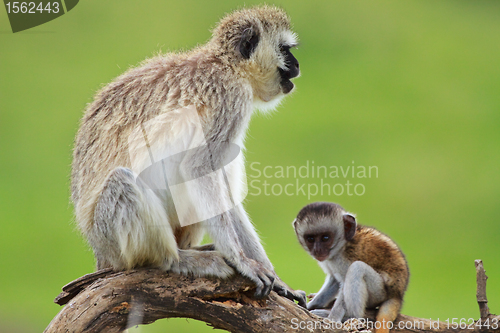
{"type": "Point", "coordinates": [108, 301]}
{"type": "Point", "coordinates": [481, 289]}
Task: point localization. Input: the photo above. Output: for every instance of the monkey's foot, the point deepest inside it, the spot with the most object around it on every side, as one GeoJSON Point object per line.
{"type": "Point", "coordinates": [311, 296]}
{"type": "Point", "coordinates": [321, 312]}
{"type": "Point", "coordinates": [354, 325]}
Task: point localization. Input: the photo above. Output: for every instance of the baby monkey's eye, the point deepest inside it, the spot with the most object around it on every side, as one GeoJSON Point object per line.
{"type": "Point", "coordinates": [310, 239]}
{"type": "Point", "coordinates": [325, 238]}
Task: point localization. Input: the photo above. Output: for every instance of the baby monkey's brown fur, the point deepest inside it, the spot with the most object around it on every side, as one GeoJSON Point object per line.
{"type": "Point", "coordinates": [364, 267]}
{"type": "Point", "coordinates": [383, 255]}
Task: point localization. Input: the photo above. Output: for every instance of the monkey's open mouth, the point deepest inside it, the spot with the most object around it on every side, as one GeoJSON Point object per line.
{"type": "Point", "coordinates": [286, 85]}
{"type": "Point", "coordinates": [286, 75]}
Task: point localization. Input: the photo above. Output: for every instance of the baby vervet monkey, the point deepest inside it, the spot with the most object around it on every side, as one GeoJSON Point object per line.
{"type": "Point", "coordinates": [157, 159]}
{"type": "Point", "coordinates": [364, 268]}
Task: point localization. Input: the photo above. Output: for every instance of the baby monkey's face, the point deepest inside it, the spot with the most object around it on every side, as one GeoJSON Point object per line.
{"type": "Point", "coordinates": [319, 244]}
{"type": "Point", "coordinates": [323, 229]}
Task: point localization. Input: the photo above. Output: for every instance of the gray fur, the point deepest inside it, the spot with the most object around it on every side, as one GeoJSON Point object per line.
{"type": "Point", "coordinates": [128, 218]}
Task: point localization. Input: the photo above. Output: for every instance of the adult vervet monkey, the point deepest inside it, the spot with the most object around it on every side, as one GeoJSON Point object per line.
{"type": "Point", "coordinates": [175, 119]}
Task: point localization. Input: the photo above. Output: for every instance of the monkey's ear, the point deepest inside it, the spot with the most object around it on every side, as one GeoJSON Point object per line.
{"type": "Point", "coordinates": [349, 226]}
{"type": "Point", "coordinates": [248, 42]}
{"type": "Point", "coordinates": [295, 224]}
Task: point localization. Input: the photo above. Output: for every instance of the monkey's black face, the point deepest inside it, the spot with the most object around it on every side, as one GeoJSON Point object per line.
{"type": "Point", "coordinates": [290, 72]}
{"type": "Point", "coordinates": [319, 244]}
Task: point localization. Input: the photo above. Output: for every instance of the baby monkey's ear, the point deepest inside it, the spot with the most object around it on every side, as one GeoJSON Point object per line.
{"type": "Point", "coordinates": [349, 226]}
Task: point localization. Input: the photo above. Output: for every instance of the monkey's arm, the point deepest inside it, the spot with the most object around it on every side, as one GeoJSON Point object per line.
{"type": "Point", "coordinates": [233, 234]}
{"type": "Point", "coordinates": [254, 250]}
{"type": "Point", "coordinates": [210, 196]}
{"type": "Point", "coordinates": [248, 237]}
{"type": "Point", "coordinates": [209, 186]}
{"type": "Point", "coordinates": [326, 295]}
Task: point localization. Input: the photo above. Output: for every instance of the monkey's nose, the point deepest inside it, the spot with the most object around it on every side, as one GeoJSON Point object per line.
{"type": "Point", "coordinates": [294, 68]}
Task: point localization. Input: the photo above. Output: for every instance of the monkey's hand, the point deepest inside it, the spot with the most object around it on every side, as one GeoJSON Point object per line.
{"type": "Point", "coordinates": [321, 312]}
{"type": "Point", "coordinates": [257, 273]}
{"type": "Point", "coordinates": [284, 290]}
{"type": "Point", "coordinates": [267, 280]}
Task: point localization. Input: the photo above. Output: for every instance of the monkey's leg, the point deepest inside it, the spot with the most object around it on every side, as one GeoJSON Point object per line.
{"type": "Point", "coordinates": [339, 307]}
{"type": "Point", "coordinates": [324, 313]}
{"type": "Point", "coordinates": [326, 295]}
{"type": "Point", "coordinates": [130, 227]}
{"type": "Point", "coordinates": [201, 263]}
{"type": "Point", "coordinates": [205, 247]}
{"type": "Point", "coordinates": [388, 311]}
{"type": "Point", "coordinates": [363, 287]}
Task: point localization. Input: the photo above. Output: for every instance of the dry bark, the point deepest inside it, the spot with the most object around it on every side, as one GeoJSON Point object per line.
{"type": "Point", "coordinates": [108, 301]}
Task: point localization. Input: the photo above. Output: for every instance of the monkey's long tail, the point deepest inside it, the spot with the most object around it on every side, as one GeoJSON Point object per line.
{"type": "Point", "coordinates": [387, 312]}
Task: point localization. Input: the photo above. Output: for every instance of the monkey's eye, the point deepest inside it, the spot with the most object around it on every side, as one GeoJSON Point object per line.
{"type": "Point", "coordinates": [325, 238]}
{"type": "Point", "coordinates": [310, 239]}
{"type": "Point", "coordinates": [284, 48]}
{"type": "Point", "coordinates": [287, 47]}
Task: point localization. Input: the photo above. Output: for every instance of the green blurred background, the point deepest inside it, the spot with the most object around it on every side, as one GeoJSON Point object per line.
{"type": "Point", "coordinates": [410, 87]}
